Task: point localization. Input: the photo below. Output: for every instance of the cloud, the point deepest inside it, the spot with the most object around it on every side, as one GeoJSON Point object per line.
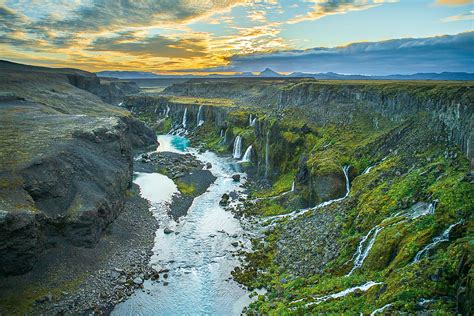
{"type": "Point", "coordinates": [407, 55]}
{"type": "Point", "coordinates": [84, 19]}
{"type": "Point", "coordinates": [112, 14]}
{"type": "Point", "coordinates": [155, 46]}
{"type": "Point", "coordinates": [453, 2]}
{"type": "Point", "coordinates": [469, 16]}
{"type": "Point", "coordinates": [322, 8]}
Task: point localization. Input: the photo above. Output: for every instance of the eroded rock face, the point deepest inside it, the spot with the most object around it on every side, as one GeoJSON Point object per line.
{"type": "Point", "coordinates": [112, 91]}
{"type": "Point", "coordinates": [20, 241]}
{"type": "Point", "coordinates": [451, 108]}
{"type": "Point", "coordinates": [65, 162]}
{"type": "Point", "coordinates": [68, 195]}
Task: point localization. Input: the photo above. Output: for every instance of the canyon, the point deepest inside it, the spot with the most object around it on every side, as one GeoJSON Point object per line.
{"type": "Point", "coordinates": [360, 193]}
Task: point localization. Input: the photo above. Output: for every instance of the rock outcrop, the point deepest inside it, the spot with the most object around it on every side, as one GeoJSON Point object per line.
{"type": "Point", "coordinates": [65, 162]}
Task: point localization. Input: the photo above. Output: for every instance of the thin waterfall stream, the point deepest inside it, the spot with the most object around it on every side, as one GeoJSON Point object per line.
{"type": "Point", "coordinates": [185, 118]}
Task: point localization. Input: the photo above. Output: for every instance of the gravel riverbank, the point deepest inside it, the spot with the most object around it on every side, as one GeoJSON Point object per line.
{"type": "Point", "coordinates": [70, 279]}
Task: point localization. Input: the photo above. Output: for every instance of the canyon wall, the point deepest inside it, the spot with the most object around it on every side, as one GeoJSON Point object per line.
{"type": "Point", "coordinates": [449, 104]}
{"type": "Point", "coordinates": [65, 162]}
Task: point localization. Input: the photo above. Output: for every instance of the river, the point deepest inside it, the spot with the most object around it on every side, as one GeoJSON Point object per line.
{"type": "Point", "coordinates": [199, 254]}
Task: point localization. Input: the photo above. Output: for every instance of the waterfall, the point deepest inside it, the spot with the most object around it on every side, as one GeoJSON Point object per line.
{"type": "Point", "coordinates": [253, 122]}
{"type": "Point", "coordinates": [362, 253]}
{"type": "Point", "coordinates": [237, 147]}
{"type": "Point", "coordinates": [381, 309]}
{"type": "Point", "coordinates": [345, 169]}
{"type": "Point", "coordinates": [367, 170]}
{"type": "Point", "coordinates": [184, 117]}
{"type": "Point", "coordinates": [293, 188]}
{"type": "Point", "coordinates": [437, 240]}
{"type": "Point", "coordinates": [267, 149]}
{"type": "Point", "coordinates": [223, 136]}
{"type": "Point", "coordinates": [156, 109]}
{"type": "Point", "coordinates": [200, 117]}
{"type": "Point", "coordinates": [364, 287]}
{"type": "Point", "coordinates": [422, 209]}
{"type": "Point", "coordinates": [418, 210]}
{"type": "Point", "coordinates": [247, 154]}
{"type": "Point", "coordinates": [300, 212]}
{"type": "Point", "coordinates": [167, 111]}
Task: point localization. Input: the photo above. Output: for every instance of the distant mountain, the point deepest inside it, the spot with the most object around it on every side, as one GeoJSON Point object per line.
{"type": "Point", "coordinates": [245, 74]}
{"type": "Point", "coordinates": [128, 75]}
{"type": "Point", "coordinates": [269, 73]}
{"type": "Point", "coordinates": [301, 75]}
{"type": "Point", "coordinates": [432, 76]}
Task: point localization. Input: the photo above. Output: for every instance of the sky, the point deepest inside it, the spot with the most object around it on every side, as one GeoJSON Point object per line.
{"type": "Point", "coordinates": [371, 37]}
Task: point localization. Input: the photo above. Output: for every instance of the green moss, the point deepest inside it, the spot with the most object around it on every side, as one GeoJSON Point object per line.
{"type": "Point", "coordinates": [201, 101]}
{"type": "Point", "coordinates": [282, 184]}
{"type": "Point", "coordinates": [163, 126]}
{"type": "Point", "coordinates": [21, 303]}
{"type": "Point", "coordinates": [185, 188]}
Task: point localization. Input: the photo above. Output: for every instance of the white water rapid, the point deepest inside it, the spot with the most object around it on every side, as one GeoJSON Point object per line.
{"type": "Point", "coordinates": [202, 251]}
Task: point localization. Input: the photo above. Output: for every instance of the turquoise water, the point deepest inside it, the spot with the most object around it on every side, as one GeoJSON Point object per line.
{"type": "Point", "coordinates": [200, 256]}
{"type": "Point", "coordinates": [172, 143]}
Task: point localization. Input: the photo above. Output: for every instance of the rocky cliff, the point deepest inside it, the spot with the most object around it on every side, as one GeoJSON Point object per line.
{"type": "Point", "coordinates": [447, 103]}
{"type": "Point", "coordinates": [65, 162]}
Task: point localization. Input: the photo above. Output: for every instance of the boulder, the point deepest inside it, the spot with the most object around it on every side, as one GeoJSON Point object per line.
{"type": "Point", "coordinates": [224, 199]}
{"type": "Point", "coordinates": [168, 230]}
{"type": "Point", "coordinates": [138, 281]}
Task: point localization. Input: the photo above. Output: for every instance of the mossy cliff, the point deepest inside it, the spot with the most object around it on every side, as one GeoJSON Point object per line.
{"type": "Point", "coordinates": [408, 145]}
{"type": "Point", "coordinates": [65, 161]}
{"type": "Point", "coordinates": [449, 103]}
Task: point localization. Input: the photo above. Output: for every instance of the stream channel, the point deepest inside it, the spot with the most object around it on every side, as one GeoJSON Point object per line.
{"type": "Point", "coordinates": [199, 254]}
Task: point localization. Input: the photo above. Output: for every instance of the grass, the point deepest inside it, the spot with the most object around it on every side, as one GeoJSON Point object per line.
{"type": "Point", "coordinates": [201, 101]}
{"type": "Point", "coordinates": [185, 188]}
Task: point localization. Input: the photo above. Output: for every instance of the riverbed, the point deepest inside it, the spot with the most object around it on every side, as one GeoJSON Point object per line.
{"type": "Point", "coordinates": [201, 251]}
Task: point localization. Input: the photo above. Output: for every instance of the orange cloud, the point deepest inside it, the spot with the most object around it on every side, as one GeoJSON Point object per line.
{"type": "Point", "coordinates": [454, 2]}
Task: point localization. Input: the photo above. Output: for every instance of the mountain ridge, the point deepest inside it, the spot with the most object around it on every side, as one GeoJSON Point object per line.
{"type": "Point", "coordinates": [269, 73]}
